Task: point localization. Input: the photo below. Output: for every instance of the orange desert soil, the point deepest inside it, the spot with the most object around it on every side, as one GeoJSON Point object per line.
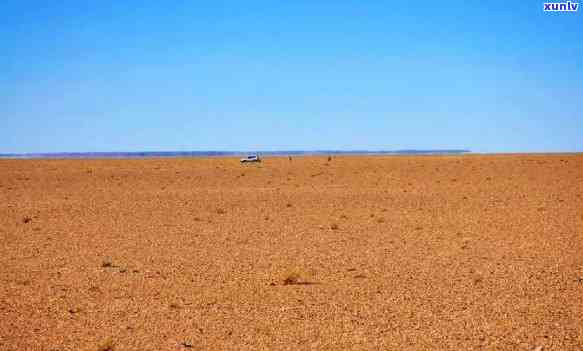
{"type": "Point", "coordinates": [361, 253]}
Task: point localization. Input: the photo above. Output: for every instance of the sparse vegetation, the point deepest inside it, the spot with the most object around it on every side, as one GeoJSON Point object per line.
{"type": "Point", "coordinates": [221, 211]}
{"type": "Point", "coordinates": [106, 345]}
{"type": "Point", "coordinates": [107, 262]}
{"type": "Point", "coordinates": [187, 344]}
{"type": "Point", "coordinates": [26, 220]}
{"type": "Point", "coordinates": [334, 226]}
{"type": "Point", "coordinates": [292, 278]}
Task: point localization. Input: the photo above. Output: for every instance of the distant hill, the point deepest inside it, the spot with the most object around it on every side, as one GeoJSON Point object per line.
{"type": "Point", "coordinates": [156, 154]}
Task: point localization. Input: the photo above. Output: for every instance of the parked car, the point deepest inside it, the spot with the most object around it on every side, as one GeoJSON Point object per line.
{"type": "Point", "coordinates": [251, 158]}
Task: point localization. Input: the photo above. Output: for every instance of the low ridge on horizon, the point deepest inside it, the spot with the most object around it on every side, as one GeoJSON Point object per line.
{"type": "Point", "coordinates": [211, 153]}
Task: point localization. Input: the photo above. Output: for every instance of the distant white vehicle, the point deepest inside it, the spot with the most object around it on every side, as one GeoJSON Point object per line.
{"type": "Point", "coordinates": [251, 158]}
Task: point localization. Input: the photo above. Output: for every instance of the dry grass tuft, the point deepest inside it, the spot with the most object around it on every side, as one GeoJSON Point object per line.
{"type": "Point", "coordinates": [334, 226]}
{"type": "Point", "coordinates": [26, 220]}
{"type": "Point", "coordinates": [106, 345]}
{"type": "Point", "coordinates": [221, 211]}
{"type": "Point", "coordinates": [292, 278]}
{"type": "Point", "coordinates": [188, 344]}
{"type": "Point", "coordinates": [296, 276]}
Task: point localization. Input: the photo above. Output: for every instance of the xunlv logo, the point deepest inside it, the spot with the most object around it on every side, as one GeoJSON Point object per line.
{"type": "Point", "coordinates": [561, 6]}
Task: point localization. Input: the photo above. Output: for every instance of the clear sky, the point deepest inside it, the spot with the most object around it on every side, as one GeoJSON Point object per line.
{"type": "Point", "coordinates": [490, 76]}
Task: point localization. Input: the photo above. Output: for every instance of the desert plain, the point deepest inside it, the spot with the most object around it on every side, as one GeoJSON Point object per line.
{"type": "Point", "coordinates": [470, 252]}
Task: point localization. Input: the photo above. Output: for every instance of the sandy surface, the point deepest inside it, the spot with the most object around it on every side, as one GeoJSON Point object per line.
{"type": "Point", "coordinates": [363, 253]}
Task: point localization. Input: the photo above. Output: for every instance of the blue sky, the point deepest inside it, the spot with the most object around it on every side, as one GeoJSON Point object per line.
{"type": "Point", "coordinates": [491, 76]}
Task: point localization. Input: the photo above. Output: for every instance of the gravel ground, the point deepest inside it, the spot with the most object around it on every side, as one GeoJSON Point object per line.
{"type": "Point", "coordinates": [363, 253]}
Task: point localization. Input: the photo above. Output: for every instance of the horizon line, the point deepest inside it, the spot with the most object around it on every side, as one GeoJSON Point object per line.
{"type": "Point", "coordinates": [227, 153]}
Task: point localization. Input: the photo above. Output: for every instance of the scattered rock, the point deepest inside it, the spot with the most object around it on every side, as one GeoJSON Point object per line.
{"type": "Point", "coordinates": [186, 344]}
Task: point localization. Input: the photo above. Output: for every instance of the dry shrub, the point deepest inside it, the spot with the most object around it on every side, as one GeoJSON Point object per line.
{"type": "Point", "coordinates": [107, 262]}
{"type": "Point", "coordinates": [106, 345]}
{"type": "Point", "coordinates": [292, 277]}
{"type": "Point", "coordinates": [295, 276]}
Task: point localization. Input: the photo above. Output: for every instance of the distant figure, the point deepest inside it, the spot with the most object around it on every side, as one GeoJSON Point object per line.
{"type": "Point", "coordinates": [329, 158]}
{"type": "Point", "coordinates": [289, 157]}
